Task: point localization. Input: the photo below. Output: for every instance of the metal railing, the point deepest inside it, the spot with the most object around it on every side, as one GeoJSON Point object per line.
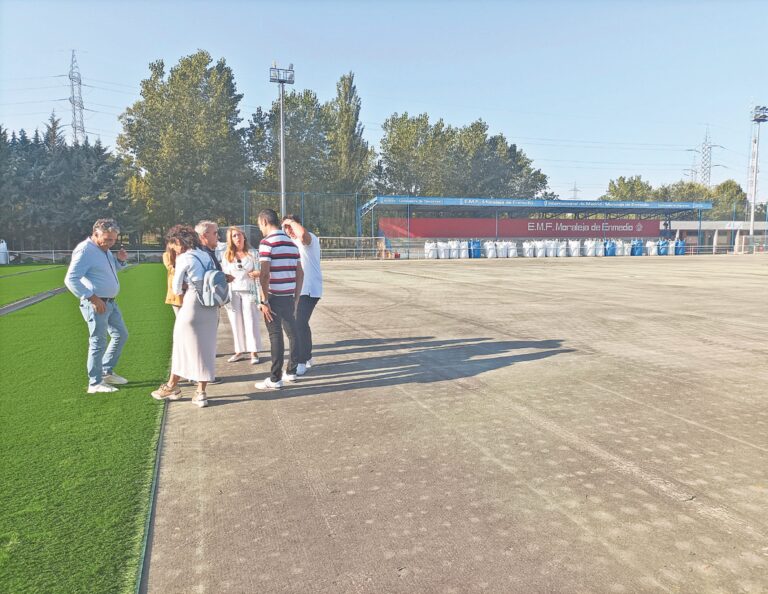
{"type": "Point", "coordinates": [371, 248]}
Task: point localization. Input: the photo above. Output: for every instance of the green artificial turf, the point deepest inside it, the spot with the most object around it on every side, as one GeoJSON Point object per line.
{"type": "Point", "coordinates": [15, 287]}
{"type": "Point", "coordinates": [77, 467]}
{"type": "Point", "coordinates": [11, 269]}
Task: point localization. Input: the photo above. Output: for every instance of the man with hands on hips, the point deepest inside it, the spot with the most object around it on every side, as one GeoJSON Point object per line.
{"type": "Point", "coordinates": [92, 277]}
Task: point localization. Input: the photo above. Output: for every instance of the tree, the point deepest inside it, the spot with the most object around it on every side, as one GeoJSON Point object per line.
{"type": "Point", "coordinates": [629, 189]}
{"type": "Point", "coordinates": [182, 144]}
{"type": "Point", "coordinates": [351, 159]}
{"type": "Point", "coordinates": [307, 148]}
{"type": "Point", "coordinates": [682, 191]}
{"type": "Point", "coordinates": [420, 158]}
{"type": "Point", "coordinates": [728, 198]}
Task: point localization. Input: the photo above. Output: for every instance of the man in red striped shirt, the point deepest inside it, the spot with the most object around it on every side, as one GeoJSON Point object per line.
{"type": "Point", "coordinates": [280, 286]}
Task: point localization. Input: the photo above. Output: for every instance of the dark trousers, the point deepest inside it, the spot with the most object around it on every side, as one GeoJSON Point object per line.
{"type": "Point", "coordinates": [304, 309]}
{"type": "Point", "coordinates": [282, 319]}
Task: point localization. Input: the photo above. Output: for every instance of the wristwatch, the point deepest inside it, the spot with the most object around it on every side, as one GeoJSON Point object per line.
{"type": "Point", "coordinates": [264, 303]}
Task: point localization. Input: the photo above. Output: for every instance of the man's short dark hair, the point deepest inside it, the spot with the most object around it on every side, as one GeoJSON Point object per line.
{"type": "Point", "coordinates": [291, 217]}
{"type": "Point", "coordinates": [269, 216]}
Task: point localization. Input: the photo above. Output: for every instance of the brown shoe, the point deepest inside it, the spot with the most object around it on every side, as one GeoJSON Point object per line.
{"type": "Point", "coordinates": [165, 391]}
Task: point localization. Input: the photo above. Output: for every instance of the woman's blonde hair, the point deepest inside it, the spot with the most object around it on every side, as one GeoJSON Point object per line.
{"type": "Point", "coordinates": [229, 254]}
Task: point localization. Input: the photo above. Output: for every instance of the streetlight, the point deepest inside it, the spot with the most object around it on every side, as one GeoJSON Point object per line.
{"type": "Point", "coordinates": [282, 76]}
{"type": "Point", "coordinates": [759, 115]}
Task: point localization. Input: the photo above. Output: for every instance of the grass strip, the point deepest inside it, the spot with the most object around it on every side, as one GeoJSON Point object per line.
{"type": "Point", "coordinates": [77, 467]}
{"type": "Point", "coordinates": [13, 288]}
{"type": "Point", "coordinates": [11, 269]}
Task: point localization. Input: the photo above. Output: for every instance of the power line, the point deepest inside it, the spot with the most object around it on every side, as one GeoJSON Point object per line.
{"type": "Point", "coordinates": [34, 88]}
{"type": "Point", "coordinates": [28, 102]}
{"type": "Point", "coordinates": [110, 90]}
{"type": "Point", "coordinates": [106, 82]}
{"type": "Point", "coordinates": [35, 77]}
{"type": "Point", "coordinates": [671, 165]}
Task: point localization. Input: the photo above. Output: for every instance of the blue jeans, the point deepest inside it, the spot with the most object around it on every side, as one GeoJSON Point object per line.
{"type": "Point", "coordinates": [102, 360]}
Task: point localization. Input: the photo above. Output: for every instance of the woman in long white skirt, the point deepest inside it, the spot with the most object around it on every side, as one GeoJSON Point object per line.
{"type": "Point", "coordinates": [242, 310]}
{"type": "Point", "coordinates": [194, 332]}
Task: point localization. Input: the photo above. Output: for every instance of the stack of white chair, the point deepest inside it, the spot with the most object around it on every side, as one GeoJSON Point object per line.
{"type": "Point", "coordinates": [619, 247]}
{"type": "Point", "coordinates": [501, 249]}
{"type": "Point", "coordinates": [599, 248]}
{"type": "Point", "coordinates": [562, 249]}
{"type": "Point", "coordinates": [490, 249]}
{"type": "Point", "coordinates": [652, 248]}
{"type": "Point", "coordinates": [511, 249]}
{"type": "Point", "coordinates": [430, 250]}
{"type": "Point", "coordinates": [443, 250]}
{"type": "Point", "coordinates": [453, 245]}
{"type": "Point", "coordinates": [590, 247]}
{"type": "Point", "coordinates": [574, 247]}
{"type": "Point", "coordinates": [463, 249]}
{"type": "Point", "coordinates": [540, 249]}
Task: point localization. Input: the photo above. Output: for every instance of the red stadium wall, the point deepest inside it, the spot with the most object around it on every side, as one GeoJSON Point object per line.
{"type": "Point", "coordinates": [469, 228]}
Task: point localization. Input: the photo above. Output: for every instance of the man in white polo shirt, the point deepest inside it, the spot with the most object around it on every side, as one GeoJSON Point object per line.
{"type": "Point", "coordinates": [311, 288]}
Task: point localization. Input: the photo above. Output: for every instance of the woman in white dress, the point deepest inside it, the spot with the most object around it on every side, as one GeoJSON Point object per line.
{"type": "Point", "coordinates": [194, 332]}
{"type": "Point", "coordinates": [242, 310]}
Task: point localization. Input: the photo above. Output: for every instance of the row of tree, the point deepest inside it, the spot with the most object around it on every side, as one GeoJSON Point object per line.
{"type": "Point", "coordinates": [51, 192]}
{"type": "Point", "coordinates": [185, 154]}
{"type": "Point", "coordinates": [729, 201]}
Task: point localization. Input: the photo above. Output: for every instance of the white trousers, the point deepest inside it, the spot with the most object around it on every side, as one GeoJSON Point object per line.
{"type": "Point", "coordinates": [245, 319]}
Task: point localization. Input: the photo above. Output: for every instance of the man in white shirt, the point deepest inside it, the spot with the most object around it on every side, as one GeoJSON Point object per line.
{"type": "Point", "coordinates": [311, 288]}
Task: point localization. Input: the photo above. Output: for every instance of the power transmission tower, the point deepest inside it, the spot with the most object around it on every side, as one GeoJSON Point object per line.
{"type": "Point", "coordinates": [706, 160]}
{"type": "Point", "coordinates": [76, 99]}
{"type": "Point", "coordinates": [575, 191]}
{"type": "Point", "coordinates": [694, 170]}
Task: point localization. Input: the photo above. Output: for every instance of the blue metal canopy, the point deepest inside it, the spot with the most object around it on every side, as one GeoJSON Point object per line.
{"type": "Point", "coordinates": [561, 206]}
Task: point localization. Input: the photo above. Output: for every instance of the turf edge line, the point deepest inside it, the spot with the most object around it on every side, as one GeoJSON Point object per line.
{"type": "Point", "coordinates": [140, 572]}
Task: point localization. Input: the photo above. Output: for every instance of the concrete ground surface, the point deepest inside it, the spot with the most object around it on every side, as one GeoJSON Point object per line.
{"type": "Point", "coordinates": [522, 425]}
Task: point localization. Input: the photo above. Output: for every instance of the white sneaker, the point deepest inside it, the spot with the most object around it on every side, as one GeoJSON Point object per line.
{"type": "Point", "coordinates": [309, 364]}
{"type": "Point", "coordinates": [200, 399]}
{"type": "Point", "coordinates": [102, 387]}
{"type": "Point", "coordinates": [268, 384]}
{"type": "Point", "coordinates": [301, 369]}
{"type": "Point", "coordinates": [289, 377]}
{"type": "Point", "coordinates": [113, 378]}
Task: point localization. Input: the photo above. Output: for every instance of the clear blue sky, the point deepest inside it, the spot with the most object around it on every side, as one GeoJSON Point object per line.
{"type": "Point", "coordinates": [590, 90]}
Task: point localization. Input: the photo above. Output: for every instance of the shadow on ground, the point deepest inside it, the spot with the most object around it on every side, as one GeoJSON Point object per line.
{"type": "Point", "coordinates": [373, 363]}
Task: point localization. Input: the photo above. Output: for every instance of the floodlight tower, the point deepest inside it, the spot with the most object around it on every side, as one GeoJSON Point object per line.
{"type": "Point", "coordinates": [759, 115]}
{"type": "Point", "coordinates": [282, 76]}
{"type": "Point", "coordinates": [76, 99]}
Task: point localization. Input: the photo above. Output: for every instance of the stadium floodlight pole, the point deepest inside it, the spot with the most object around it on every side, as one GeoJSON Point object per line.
{"type": "Point", "coordinates": [282, 76]}
{"type": "Point", "coordinates": [759, 115]}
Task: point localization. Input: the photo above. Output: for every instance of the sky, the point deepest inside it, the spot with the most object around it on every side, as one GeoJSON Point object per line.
{"type": "Point", "coordinates": [588, 89]}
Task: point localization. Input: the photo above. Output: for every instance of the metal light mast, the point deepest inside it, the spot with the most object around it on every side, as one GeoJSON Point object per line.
{"type": "Point", "coordinates": [76, 99]}
{"type": "Point", "coordinates": [282, 76]}
{"type": "Point", "coordinates": [759, 115]}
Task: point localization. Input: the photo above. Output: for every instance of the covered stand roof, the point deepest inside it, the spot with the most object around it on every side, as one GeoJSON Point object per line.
{"type": "Point", "coordinates": [527, 206]}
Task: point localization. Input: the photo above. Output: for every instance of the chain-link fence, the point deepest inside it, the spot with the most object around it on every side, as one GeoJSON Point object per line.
{"type": "Point", "coordinates": [327, 215]}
